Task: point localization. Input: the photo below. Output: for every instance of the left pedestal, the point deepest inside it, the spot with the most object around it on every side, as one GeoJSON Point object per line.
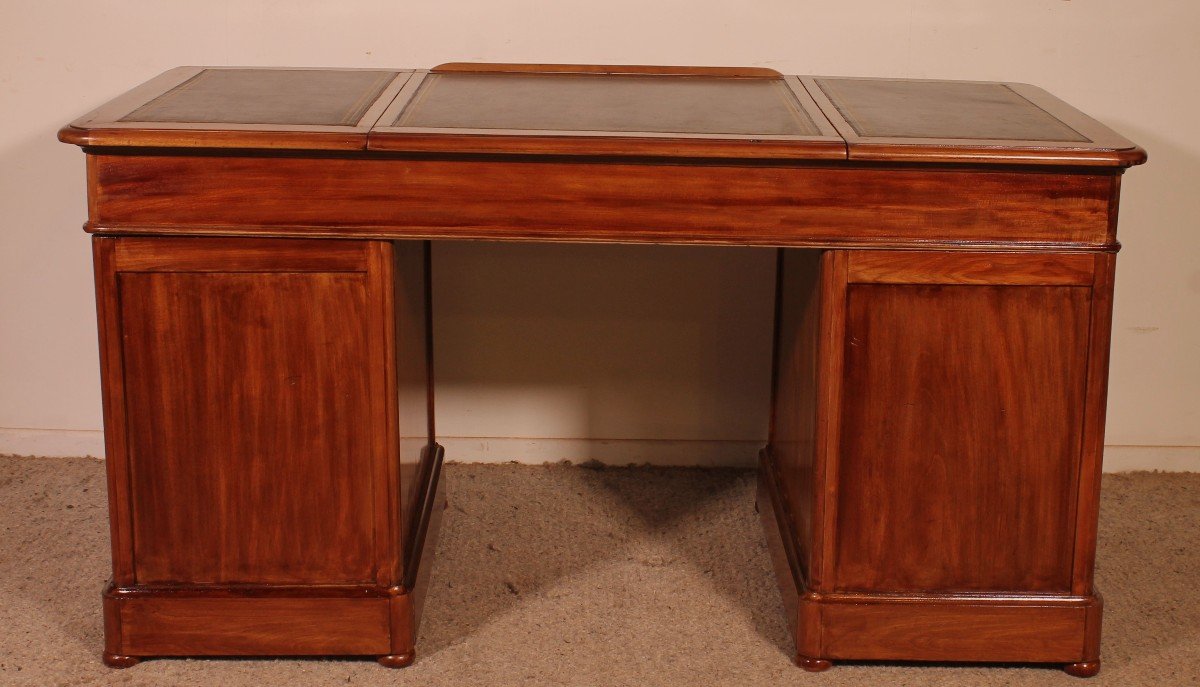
{"type": "Point", "coordinates": [272, 475]}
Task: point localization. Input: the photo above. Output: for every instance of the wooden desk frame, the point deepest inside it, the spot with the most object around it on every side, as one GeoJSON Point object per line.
{"type": "Point", "coordinates": [931, 482]}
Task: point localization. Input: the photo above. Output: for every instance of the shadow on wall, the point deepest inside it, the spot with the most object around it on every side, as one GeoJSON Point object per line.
{"type": "Point", "coordinates": [47, 309]}
{"type": "Point", "coordinates": [655, 349]}
{"type": "Point", "coordinates": [1156, 335]}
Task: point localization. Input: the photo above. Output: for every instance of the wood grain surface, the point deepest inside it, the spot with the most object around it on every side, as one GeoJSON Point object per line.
{"type": "Point", "coordinates": [960, 437]}
{"type": "Point", "coordinates": [1013, 269]}
{"type": "Point", "coordinates": [414, 387]}
{"type": "Point", "coordinates": [214, 626]}
{"type": "Point", "coordinates": [228, 376]}
{"type": "Point", "coordinates": [577, 201]}
{"type": "Point", "coordinates": [952, 632]}
{"type": "Point", "coordinates": [1087, 510]}
{"type": "Point", "coordinates": [794, 413]}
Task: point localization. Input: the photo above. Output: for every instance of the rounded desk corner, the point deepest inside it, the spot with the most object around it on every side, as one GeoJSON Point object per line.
{"type": "Point", "coordinates": [75, 135]}
{"type": "Point", "coordinates": [1131, 157]}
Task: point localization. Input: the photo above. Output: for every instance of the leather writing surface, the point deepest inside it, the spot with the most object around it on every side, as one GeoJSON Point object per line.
{"type": "Point", "coordinates": [599, 111]}
{"type": "Point", "coordinates": [578, 102]}
{"type": "Point", "coordinates": [325, 97]}
{"type": "Point", "coordinates": [895, 108]}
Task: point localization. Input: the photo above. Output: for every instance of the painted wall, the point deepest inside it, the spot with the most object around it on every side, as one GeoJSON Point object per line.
{"type": "Point", "coordinates": [617, 353]}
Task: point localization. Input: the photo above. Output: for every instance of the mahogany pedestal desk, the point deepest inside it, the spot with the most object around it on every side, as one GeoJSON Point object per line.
{"type": "Point", "coordinates": [945, 278]}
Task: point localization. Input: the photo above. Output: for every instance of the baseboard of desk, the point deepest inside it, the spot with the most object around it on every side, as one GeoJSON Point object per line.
{"type": "Point", "coordinates": [951, 627]}
{"type": "Point", "coordinates": [282, 620]}
{"type": "Point", "coordinates": [236, 622]}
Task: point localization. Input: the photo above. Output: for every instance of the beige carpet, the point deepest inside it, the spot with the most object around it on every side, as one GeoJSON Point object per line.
{"type": "Point", "coordinates": [569, 576]}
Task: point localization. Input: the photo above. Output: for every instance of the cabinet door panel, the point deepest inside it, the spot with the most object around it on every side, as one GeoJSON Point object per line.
{"type": "Point", "coordinates": [249, 426]}
{"type": "Point", "coordinates": [960, 442]}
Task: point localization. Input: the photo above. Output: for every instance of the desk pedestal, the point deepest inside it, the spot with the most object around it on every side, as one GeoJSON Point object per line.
{"type": "Point", "coordinates": [931, 484]}
{"type": "Point", "coordinates": [272, 475]}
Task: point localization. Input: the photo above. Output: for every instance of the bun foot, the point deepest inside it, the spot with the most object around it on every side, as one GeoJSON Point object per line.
{"type": "Point", "coordinates": [813, 665]}
{"type": "Point", "coordinates": [119, 661]}
{"type": "Point", "coordinates": [1088, 669]}
{"type": "Point", "coordinates": [396, 660]}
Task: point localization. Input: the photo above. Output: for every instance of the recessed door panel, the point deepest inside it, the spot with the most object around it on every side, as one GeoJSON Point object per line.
{"type": "Point", "coordinates": [960, 439]}
{"type": "Point", "coordinates": [249, 426]}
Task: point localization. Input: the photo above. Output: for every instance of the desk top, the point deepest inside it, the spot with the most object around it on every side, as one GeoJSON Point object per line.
{"type": "Point", "coordinates": [583, 110]}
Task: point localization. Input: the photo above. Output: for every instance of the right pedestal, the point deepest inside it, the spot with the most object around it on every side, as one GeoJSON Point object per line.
{"type": "Point", "coordinates": [934, 463]}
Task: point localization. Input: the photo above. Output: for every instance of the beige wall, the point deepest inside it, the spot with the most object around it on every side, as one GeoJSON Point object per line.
{"type": "Point", "coordinates": [541, 346]}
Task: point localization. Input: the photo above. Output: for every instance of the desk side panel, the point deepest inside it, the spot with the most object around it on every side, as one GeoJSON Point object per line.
{"type": "Point", "coordinates": [414, 383]}
{"type": "Point", "coordinates": [794, 398]}
{"type": "Point", "coordinates": [544, 200]}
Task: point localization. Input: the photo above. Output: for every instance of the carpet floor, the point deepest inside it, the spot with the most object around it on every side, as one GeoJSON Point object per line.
{"type": "Point", "coordinates": [560, 575]}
